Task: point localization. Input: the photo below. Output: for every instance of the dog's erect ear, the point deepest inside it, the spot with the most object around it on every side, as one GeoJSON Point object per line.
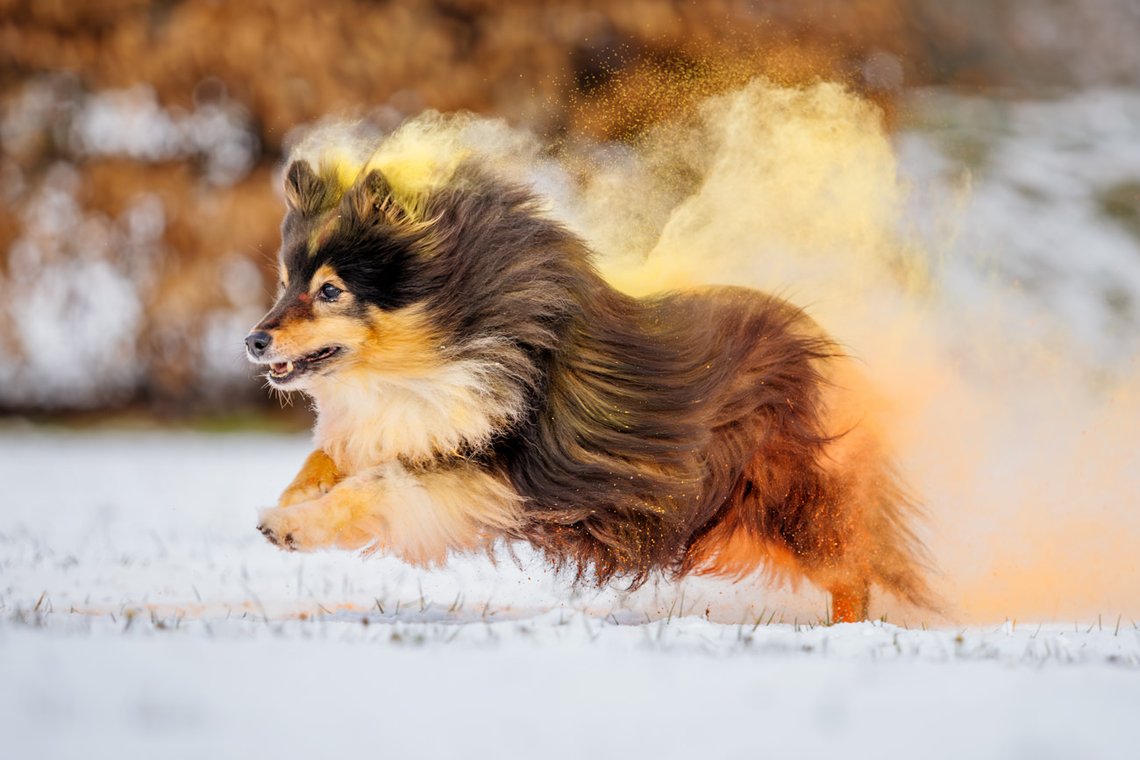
{"type": "Point", "coordinates": [305, 192]}
{"type": "Point", "coordinates": [370, 201]}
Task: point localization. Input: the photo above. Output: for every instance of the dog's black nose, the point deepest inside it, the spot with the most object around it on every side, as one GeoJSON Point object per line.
{"type": "Point", "coordinates": [257, 342]}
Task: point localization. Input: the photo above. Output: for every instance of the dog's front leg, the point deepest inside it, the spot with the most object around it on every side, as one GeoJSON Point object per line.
{"type": "Point", "coordinates": [419, 515]}
{"type": "Point", "coordinates": [317, 477]}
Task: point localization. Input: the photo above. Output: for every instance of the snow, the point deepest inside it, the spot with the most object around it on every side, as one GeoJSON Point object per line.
{"type": "Point", "coordinates": [132, 123]}
{"type": "Point", "coordinates": [140, 612]}
{"type": "Point", "coordinates": [1017, 188]}
{"type": "Point", "coordinates": [335, 693]}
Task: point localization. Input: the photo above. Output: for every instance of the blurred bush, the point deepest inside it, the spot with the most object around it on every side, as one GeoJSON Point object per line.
{"type": "Point", "coordinates": [139, 139]}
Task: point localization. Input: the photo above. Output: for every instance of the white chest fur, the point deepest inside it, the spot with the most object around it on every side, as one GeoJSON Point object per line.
{"type": "Point", "coordinates": [365, 421]}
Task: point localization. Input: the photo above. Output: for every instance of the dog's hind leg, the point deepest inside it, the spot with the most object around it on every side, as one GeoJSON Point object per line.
{"type": "Point", "coordinates": [802, 522]}
{"type": "Point", "coordinates": [849, 602]}
{"type": "Point", "coordinates": [731, 551]}
{"type": "Point", "coordinates": [858, 538]}
{"type": "Point", "coordinates": [833, 556]}
{"type": "Point", "coordinates": [875, 515]}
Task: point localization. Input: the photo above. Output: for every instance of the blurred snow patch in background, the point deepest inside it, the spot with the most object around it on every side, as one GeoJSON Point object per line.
{"type": "Point", "coordinates": [1040, 195]}
{"type": "Point", "coordinates": [131, 123]}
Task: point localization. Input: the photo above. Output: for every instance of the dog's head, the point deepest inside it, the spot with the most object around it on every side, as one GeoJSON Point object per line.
{"type": "Point", "coordinates": [351, 283]}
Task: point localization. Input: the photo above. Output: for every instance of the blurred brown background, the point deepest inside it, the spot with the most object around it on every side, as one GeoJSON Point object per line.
{"type": "Point", "coordinates": [139, 139]}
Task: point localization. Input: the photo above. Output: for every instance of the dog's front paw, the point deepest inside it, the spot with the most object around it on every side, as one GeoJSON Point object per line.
{"type": "Point", "coordinates": [281, 530]}
{"type": "Point", "coordinates": [341, 519]}
{"type": "Point", "coordinates": [285, 542]}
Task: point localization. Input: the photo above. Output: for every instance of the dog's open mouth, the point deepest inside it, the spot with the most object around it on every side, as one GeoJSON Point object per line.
{"type": "Point", "coordinates": [283, 372]}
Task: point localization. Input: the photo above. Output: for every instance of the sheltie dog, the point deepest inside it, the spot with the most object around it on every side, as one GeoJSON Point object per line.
{"type": "Point", "coordinates": [475, 380]}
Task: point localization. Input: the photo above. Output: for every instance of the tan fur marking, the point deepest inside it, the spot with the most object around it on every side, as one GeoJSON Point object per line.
{"type": "Point", "coordinates": [398, 343]}
{"type": "Point", "coordinates": [420, 517]}
{"type": "Point", "coordinates": [297, 337]}
{"type": "Point", "coordinates": [317, 477]}
{"type": "Point", "coordinates": [326, 274]}
{"type": "Point", "coordinates": [327, 324]}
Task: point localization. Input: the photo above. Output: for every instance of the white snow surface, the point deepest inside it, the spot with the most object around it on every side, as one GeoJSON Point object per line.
{"type": "Point", "coordinates": [142, 615]}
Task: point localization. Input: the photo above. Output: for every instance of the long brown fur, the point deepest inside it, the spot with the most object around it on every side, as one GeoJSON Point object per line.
{"type": "Point", "coordinates": [691, 432]}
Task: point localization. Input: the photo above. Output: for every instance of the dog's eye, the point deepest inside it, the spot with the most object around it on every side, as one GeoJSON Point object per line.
{"type": "Point", "coordinates": [330, 292]}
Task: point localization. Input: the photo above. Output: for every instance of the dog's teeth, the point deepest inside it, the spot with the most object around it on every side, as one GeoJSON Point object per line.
{"type": "Point", "coordinates": [281, 368]}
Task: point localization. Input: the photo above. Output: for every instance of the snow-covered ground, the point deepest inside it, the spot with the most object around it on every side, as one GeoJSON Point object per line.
{"type": "Point", "coordinates": [140, 612]}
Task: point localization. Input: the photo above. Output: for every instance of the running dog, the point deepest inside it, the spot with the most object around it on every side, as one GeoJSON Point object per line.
{"type": "Point", "coordinates": [475, 380]}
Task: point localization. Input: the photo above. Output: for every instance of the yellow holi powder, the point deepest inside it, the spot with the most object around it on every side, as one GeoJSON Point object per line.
{"type": "Point", "coordinates": [804, 177]}
{"type": "Point", "coordinates": [419, 156]}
